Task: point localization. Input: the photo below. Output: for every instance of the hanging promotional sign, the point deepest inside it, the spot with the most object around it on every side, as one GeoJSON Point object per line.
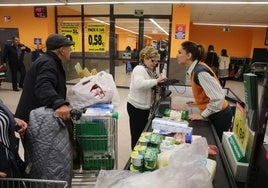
{"type": "Point", "coordinates": [96, 37]}
{"type": "Point", "coordinates": [180, 31]}
{"type": "Point", "coordinates": [70, 30]}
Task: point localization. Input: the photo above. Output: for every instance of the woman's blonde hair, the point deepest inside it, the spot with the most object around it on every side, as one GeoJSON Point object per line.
{"type": "Point", "coordinates": [148, 52]}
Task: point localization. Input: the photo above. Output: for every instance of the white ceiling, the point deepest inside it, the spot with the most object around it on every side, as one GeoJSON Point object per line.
{"type": "Point", "coordinates": [232, 14]}
{"type": "Point", "coordinates": [208, 13]}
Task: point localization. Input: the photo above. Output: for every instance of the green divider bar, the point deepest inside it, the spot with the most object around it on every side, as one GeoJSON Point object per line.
{"type": "Point", "coordinates": [236, 149]}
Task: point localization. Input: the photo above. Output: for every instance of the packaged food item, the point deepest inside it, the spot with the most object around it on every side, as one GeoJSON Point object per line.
{"type": "Point", "coordinates": [184, 114]}
{"type": "Point", "coordinates": [179, 138]}
{"type": "Point", "coordinates": [188, 138]}
{"type": "Point", "coordinates": [145, 138]}
{"type": "Point", "coordinates": [150, 159]}
{"type": "Point", "coordinates": [137, 160]}
{"type": "Point", "coordinates": [155, 140]}
{"type": "Point", "coordinates": [133, 169]}
{"type": "Point", "coordinates": [140, 148]}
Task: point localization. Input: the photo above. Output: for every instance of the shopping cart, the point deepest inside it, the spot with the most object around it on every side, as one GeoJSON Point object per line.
{"type": "Point", "coordinates": [31, 183]}
{"type": "Point", "coordinates": [95, 130]}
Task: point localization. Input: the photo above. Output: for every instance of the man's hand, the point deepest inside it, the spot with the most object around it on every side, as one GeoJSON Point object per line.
{"type": "Point", "coordinates": [195, 117]}
{"type": "Point", "coordinates": [63, 112]}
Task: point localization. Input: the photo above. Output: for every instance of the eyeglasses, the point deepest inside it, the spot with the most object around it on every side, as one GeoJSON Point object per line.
{"type": "Point", "coordinates": [154, 60]}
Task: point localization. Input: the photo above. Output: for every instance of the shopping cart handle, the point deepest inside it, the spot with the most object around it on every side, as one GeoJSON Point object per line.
{"type": "Point", "coordinates": [77, 113]}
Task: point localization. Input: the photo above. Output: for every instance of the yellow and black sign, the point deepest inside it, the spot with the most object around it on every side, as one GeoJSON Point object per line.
{"type": "Point", "coordinates": [70, 30]}
{"type": "Point", "coordinates": [96, 37]}
{"type": "Point", "coordinates": [240, 127]}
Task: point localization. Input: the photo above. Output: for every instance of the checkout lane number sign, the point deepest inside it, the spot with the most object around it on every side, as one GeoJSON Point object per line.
{"type": "Point", "coordinates": [96, 37]}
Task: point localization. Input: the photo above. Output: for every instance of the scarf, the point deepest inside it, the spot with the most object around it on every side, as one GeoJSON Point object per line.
{"type": "Point", "coordinates": [152, 73]}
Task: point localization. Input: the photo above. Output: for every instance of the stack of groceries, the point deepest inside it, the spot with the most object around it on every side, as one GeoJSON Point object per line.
{"type": "Point", "coordinates": [169, 132]}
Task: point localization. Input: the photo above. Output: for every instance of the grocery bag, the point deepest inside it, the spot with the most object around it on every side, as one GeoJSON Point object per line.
{"type": "Point", "coordinates": [99, 88]}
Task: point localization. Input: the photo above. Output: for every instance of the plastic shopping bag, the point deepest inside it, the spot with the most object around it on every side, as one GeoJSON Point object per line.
{"type": "Point", "coordinates": [99, 88]}
{"type": "Point", "coordinates": [185, 168]}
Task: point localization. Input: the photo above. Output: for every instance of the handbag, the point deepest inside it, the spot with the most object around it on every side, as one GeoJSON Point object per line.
{"type": "Point", "coordinates": [3, 71]}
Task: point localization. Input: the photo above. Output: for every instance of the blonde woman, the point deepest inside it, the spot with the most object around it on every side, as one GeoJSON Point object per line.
{"type": "Point", "coordinates": [141, 91]}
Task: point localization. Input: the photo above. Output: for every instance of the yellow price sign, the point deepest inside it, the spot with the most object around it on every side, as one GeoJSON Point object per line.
{"type": "Point", "coordinates": [70, 30]}
{"type": "Point", "coordinates": [240, 127]}
{"type": "Point", "coordinates": [96, 37]}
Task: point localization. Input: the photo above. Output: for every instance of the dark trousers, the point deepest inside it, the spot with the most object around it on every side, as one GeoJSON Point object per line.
{"type": "Point", "coordinates": [137, 119]}
{"type": "Point", "coordinates": [14, 70]}
{"type": "Point", "coordinates": [223, 82]}
{"type": "Point", "coordinates": [222, 121]}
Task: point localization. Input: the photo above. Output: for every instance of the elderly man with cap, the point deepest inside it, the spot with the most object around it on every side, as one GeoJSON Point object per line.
{"type": "Point", "coordinates": [45, 81]}
{"type": "Point", "coordinates": [45, 86]}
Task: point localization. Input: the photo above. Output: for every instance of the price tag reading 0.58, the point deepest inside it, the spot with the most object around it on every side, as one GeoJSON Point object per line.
{"type": "Point", "coordinates": [95, 40]}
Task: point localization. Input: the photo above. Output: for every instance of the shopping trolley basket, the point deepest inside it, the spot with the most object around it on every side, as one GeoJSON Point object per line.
{"type": "Point", "coordinates": [31, 183]}
{"type": "Point", "coordinates": [96, 134]}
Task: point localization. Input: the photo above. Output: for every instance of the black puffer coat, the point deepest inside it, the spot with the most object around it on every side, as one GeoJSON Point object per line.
{"type": "Point", "coordinates": [44, 85]}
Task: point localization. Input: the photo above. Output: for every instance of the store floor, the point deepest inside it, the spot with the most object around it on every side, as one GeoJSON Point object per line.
{"type": "Point", "coordinates": [11, 98]}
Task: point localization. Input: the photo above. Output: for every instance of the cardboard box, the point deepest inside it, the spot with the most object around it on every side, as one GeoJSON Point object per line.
{"type": "Point", "coordinates": [239, 169]}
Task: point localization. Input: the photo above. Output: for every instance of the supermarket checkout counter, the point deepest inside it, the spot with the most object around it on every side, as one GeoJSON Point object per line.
{"type": "Point", "coordinates": [181, 94]}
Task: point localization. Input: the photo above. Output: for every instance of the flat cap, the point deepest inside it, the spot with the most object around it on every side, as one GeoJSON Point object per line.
{"type": "Point", "coordinates": [55, 41]}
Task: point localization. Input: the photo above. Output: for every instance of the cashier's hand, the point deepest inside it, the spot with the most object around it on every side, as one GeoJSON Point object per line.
{"type": "Point", "coordinates": [191, 103]}
{"type": "Point", "coordinates": [63, 112]}
{"type": "Point", "coordinates": [195, 117]}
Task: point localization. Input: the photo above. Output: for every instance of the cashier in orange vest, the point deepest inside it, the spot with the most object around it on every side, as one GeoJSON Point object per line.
{"type": "Point", "coordinates": [208, 93]}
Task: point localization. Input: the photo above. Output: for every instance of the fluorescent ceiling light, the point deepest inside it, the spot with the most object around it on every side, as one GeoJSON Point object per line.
{"type": "Point", "coordinates": [231, 24]}
{"type": "Point", "coordinates": [101, 2]}
{"type": "Point", "coordinates": [103, 22]}
{"type": "Point", "coordinates": [169, 2]}
{"type": "Point", "coordinates": [161, 28]}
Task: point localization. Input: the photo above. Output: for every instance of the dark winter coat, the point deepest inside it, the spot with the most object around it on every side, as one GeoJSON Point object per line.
{"type": "Point", "coordinates": [9, 157]}
{"type": "Point", "coordinates": [11, 56]}
{"type": "Point", "coordinates": [44, 85]}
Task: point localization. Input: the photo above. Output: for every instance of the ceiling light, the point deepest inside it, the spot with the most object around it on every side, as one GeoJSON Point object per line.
{"type": "Point", "coordinates": [128, 30]}
{"type": "Point", "coordinates": [161, 28]}
{"type": "Point", "coordinates": [101, 2]}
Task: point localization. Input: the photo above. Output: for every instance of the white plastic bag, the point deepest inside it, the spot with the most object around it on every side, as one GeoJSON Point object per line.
{"type": "Point", "coordinates": [185, 169]}
{"type": "Point", "coordinates": [99, 88]}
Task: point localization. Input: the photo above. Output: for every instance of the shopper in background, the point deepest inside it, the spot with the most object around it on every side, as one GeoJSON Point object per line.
{"type": "Point", "coordinates": [128, 54]}
{"type": "Point", "coordinates": [208, 93]}
{"type": "Point", "coordinates": [141, 91]}
{"type": "Point", "coordinates": [224, 62]}
{"type": "Point", "coordinates": [14, 56]}
{"type": "Point", "coordinates": [135, 58]}
{"type": "Point", "coordinates": [212, 59]}
{"type": "Point", "coordinates": [163, 57]}
{"type": "Point", "coordinates": [10, 162]}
